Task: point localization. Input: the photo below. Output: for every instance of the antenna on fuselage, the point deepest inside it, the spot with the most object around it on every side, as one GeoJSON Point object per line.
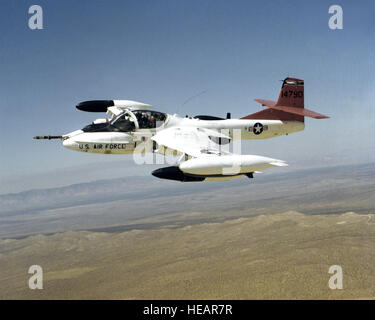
{"type": "Point", "coordinates": [191, 98]}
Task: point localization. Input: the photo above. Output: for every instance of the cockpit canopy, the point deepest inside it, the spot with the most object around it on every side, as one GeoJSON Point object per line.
{"type": "Point", "coordinates": [139, 119]}
{"type": "Point", "coordinates": [130, 120]}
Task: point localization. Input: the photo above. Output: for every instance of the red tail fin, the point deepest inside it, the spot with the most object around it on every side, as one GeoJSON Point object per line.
{"type": "Point", "coordinates": [289, 106]}
{"type": "Point", "coordinates": [291, 94]}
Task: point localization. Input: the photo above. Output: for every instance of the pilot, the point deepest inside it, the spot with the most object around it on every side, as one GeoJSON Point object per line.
{"type": "Point", "coordinates": [143, 121]}
{"type": "Point", "coordinates": [152, 122]}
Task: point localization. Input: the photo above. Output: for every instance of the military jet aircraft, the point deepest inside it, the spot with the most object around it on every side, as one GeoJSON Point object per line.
{"type": "Point", "coordinates": [201, 142]}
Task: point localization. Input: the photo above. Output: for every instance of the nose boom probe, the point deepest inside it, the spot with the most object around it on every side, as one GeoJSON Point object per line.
{"type": "Point", "coordinates": [47, 137]}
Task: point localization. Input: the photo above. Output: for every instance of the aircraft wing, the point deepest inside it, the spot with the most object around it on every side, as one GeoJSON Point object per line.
{"type": "Point", "coordinates": [208, 161]}
{"type": "Point", "coordinates": [192, 141]}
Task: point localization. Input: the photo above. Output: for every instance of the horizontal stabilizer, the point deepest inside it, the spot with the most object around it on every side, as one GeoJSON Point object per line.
{"type": "Point", "coordinates": [294, 110]}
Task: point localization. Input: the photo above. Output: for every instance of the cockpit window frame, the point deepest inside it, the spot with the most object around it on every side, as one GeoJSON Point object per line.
{"type": "Point", "coordinates": [132, 116]}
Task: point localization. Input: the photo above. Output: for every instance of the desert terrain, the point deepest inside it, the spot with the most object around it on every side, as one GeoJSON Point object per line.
{"type": "Point", "coordinates": [273, 238]}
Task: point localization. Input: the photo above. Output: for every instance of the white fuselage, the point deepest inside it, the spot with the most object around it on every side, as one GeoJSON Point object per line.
{"type": "Point", "coordinates": [126, 142]}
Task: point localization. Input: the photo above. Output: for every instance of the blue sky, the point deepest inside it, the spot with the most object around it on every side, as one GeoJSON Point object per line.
{"type": "Point", "coordinates": [163, 52]}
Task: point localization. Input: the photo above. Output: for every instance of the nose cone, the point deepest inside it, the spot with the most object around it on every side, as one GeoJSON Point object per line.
{"type": "Point", "coordinates": [95, 105]}
{"type": "Point", "coordinates": [174, 173]}
{"type": "Point", "coordinates": [70, 144]}
{"type": "Point", "coordinates": [170, 173]}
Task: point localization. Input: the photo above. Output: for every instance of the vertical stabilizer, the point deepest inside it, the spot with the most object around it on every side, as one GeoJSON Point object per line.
{"type": "Point", "coordinates": [292, 93]}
